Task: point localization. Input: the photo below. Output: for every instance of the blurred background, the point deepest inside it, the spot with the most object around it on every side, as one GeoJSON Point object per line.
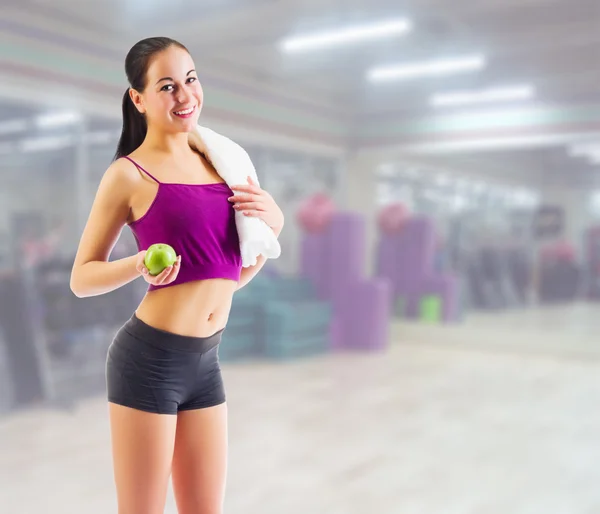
{"type": "Point", "coordinates": [427, 342]}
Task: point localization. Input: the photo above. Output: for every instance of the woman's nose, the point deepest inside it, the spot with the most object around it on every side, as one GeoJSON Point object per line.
{"type": "Point", "coordinates": [183, 96]}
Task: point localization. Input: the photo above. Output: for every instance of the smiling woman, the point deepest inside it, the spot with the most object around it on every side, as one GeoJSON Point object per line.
{"type": "Point", "coordinates": [164, 383]}
{"type": "Point", "coordinates": [150, 94]}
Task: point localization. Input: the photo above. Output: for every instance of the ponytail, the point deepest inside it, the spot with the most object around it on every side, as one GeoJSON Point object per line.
{"type": "Point", "coordinates": [134, 128]}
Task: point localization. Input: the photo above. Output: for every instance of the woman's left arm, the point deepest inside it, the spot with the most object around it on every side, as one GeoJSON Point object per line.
{"type": "Point", "coordinates": [256, 202]}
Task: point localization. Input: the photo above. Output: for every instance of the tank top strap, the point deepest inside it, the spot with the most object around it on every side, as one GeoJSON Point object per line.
{"type": "Point", "coordinates": [142, 169]}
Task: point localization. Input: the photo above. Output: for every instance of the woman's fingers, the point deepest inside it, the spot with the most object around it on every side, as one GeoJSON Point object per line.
{"type": "Point", "coordinates": [172, 273]}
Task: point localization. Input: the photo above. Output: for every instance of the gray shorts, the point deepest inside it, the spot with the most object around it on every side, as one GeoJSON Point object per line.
{"type": "Point", "coordinates": [162, 372]}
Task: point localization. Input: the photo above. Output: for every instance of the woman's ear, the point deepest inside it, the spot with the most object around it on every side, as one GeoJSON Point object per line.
{"type": "Point", "coordinates": [137, 100]}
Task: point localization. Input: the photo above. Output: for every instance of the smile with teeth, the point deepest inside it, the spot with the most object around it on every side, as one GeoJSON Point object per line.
{"type": "Point", "coordinates": [186, 111]}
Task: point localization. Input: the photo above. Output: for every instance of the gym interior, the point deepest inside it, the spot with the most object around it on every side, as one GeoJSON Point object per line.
{"type": "Point", "coordinates": [426, 343]}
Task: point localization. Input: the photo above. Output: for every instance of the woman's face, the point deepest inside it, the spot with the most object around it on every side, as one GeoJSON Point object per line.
{"type": "Point", "coordinates": [173, 96]}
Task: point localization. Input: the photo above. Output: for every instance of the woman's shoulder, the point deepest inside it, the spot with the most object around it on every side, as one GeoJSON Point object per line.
{"type": "Point", "coordinates": [119, 182]}
{"type": "Point", "coordinates": [122, 173]}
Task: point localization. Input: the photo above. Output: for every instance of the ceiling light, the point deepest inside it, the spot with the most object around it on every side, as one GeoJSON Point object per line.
{"type": "Point", "coordinates": [57, 119]}
{"type": "Point", "coordinates": [594, 158]}
{"type": "Point", "coordinates": [99, 137]}
{"type": "Point", "coordinates": [42, 144]}
{"type": "Point", "coordinates": [427, 68]}
{"type": "Point", "coordinates": [346, 35]}
{"type": "Point", "coordinates": [491, 143]}
{"type": "Point", "coordinates": [583, 149]}
{"type": "Point", "coordinates": [486, 95]}
{"type": "Point", "coordinates": [13, 126]}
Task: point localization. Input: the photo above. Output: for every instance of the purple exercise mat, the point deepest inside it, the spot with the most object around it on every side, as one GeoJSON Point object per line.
{"type": "Point", "coordinates": [367, 315]}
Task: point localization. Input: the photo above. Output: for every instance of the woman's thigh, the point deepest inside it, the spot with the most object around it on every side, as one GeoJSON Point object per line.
{"type": "Point", "coordinates": [142, 447]}
{"type": "Point", "coordinates": [200, 460]}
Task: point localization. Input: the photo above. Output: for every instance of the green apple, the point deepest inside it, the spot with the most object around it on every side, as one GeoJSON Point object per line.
{"type": "Point", "coordinates": [158, 257]}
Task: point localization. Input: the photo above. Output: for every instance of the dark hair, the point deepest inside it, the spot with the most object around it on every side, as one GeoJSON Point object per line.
{"type": "Point", "coordinates": [137, 63]}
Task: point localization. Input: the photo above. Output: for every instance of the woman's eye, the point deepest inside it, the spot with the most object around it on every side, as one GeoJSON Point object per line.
{"type": "Point", "coordinates": [169, 87]}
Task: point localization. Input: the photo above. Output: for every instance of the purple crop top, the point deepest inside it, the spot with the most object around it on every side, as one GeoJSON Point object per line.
{"type": "Point", "coordinates": [198, 221]}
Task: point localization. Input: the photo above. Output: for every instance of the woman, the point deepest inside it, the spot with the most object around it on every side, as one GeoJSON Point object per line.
{"type": "Point", "coordinates": [166, 398]}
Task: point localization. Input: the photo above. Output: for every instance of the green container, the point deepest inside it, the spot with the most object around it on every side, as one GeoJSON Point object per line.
{"type": "Point", "coordinates": [430, 309]}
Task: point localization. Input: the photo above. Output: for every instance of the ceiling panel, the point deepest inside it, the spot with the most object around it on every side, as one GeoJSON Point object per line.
{"type": "Point", "coordinates": [550, 43]}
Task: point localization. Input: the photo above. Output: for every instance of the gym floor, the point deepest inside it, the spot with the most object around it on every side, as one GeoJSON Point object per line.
{"type": "Point", "coordinates": [497, 415]}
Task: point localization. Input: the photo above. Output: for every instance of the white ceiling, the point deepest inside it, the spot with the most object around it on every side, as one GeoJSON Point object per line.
{"type": "Point", "coordinates": [550, 44]}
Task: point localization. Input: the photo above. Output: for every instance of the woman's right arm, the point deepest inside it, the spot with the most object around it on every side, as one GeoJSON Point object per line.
{"type": "Point", "coordinates": [92, 274]}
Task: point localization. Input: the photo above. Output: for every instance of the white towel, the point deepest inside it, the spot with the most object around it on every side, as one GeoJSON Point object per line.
{"type": "Point", "coordinates": [234, 165]}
